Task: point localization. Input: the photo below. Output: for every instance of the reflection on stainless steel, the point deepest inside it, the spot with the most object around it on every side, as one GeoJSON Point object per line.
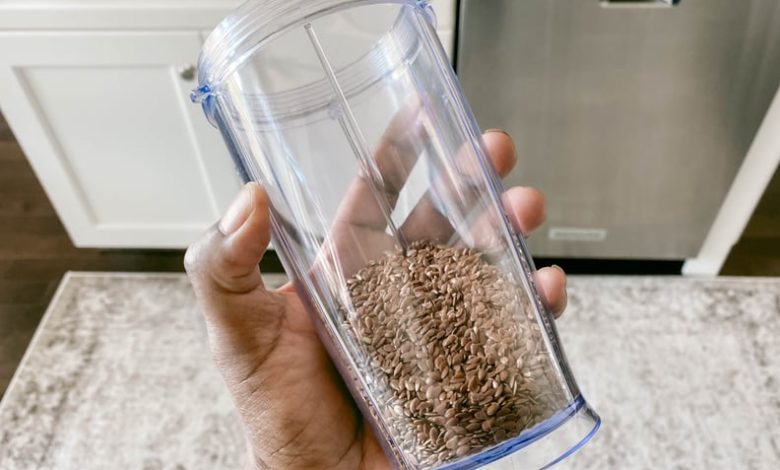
{"type": "Point", "coordinates": [632, 120]}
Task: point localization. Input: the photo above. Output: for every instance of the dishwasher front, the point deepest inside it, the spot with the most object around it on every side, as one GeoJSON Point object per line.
{"type": "Point", "coordinates": [632, 116]}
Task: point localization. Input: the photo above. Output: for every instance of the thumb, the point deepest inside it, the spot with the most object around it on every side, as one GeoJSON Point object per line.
{"type": "Point", "coordinates": [223, 268]}
{"type": "Point", "coordinates": [226, 258]}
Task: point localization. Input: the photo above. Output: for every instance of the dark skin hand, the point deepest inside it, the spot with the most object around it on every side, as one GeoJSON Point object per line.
{"type": "Point", "coordinates": [294, 406]}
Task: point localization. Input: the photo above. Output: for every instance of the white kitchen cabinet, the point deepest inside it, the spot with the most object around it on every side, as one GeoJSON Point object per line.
{"type": "Point", "coordinates": [97, 94]}
{"type": "Point", "coordinates": [106, 123]}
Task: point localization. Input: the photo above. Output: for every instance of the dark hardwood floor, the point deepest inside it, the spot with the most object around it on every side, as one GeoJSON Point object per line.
{"type": "Point", "coordinates": [758, 251]}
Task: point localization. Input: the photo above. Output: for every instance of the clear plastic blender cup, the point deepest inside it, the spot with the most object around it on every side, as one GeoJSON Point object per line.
{"type": "Point", "coordinates": [387, 215]}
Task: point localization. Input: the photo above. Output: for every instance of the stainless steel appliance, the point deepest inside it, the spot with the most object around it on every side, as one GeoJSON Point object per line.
{"type": "Point", "coordinates": [632, 116]}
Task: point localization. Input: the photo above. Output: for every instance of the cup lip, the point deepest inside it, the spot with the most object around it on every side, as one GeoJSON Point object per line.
{"type": "Point", "coordinates": [314, 100]}
{"type": "Point", "coordinates": [254, 23]}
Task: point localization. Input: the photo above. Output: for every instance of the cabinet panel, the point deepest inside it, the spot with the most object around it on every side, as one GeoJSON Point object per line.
{"type": "Point", "coordinates": [105, 121]}
{"type": "Point", "coordinates": [113, 15]}
{"type": "Point", "coordinates": [124, 143]}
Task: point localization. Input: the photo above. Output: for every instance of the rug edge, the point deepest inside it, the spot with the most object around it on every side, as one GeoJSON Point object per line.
{"type": "Point", "coordinates": [45, 318]}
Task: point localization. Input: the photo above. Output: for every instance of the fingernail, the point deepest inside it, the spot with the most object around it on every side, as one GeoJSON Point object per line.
{"type": "Point", "coordinates": [502, 131]}
{"type": "Point", "coordinates": [238, 212]}
{"type": "Point", "coordinates": [565, 278]}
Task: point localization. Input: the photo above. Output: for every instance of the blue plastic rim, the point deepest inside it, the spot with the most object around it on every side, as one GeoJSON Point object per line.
{"type": "Point", "coordinates": [530, 436]}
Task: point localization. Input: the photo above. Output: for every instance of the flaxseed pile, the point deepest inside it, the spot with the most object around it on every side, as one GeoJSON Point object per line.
{"type": "Point", "coordinates": [453, 354]}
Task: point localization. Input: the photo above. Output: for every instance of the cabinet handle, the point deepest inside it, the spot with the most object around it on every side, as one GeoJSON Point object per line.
{"type": "Point", "coordinates": [187, 73]}
{"type": "Point", "coordinates": [636, 3]}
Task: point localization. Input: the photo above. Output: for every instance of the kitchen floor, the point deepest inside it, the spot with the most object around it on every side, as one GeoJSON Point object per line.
{"type": "Point", "coordinates": [35, 252]}
{"type": "Point", "coordinates": [758, 251]}
{"type": "Point", "coordinates": [695, 390]}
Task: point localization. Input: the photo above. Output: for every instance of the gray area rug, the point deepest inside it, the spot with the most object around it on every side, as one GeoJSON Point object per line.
{"type": "Point", "coordinates": [685, 374]}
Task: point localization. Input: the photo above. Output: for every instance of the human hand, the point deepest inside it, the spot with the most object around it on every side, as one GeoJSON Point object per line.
{"type": "Point", "coordinates": [294, 406]}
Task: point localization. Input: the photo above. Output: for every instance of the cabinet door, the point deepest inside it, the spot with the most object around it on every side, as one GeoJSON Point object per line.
{"type": "Point", "coordinates": [108, 127]}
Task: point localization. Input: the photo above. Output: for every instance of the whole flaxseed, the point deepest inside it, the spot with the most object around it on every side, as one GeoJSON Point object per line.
{"type": "Point", "coordinates": [452, 352]}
